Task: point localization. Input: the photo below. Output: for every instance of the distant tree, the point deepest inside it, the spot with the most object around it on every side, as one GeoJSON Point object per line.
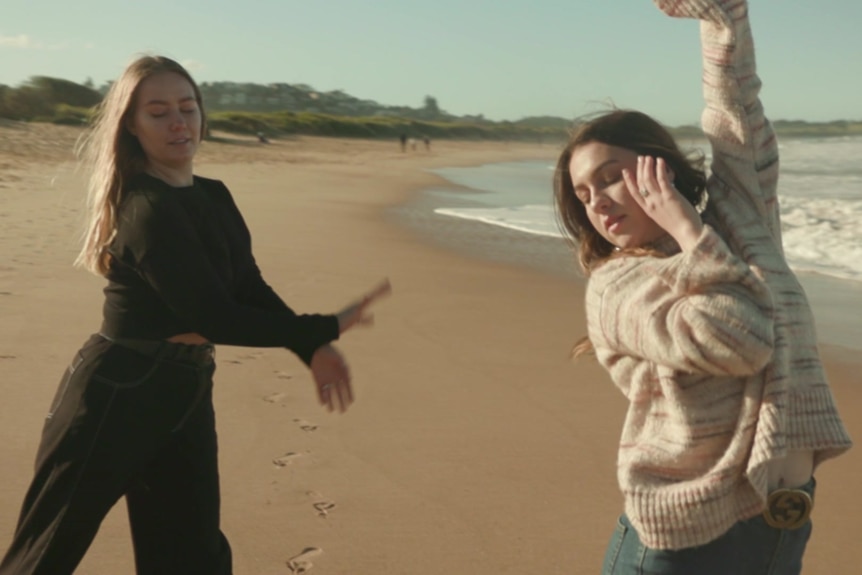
{"type": "Point", "coordinates": [4, 89]}
{"type": "Point", "coordinates": [58, 91]}
{"type": "Point", "coordinates": [26, 103]}
{"type": "Point", "coordinates": [431, 109]}
{"type": "Point", "coordinates": [88, 83]}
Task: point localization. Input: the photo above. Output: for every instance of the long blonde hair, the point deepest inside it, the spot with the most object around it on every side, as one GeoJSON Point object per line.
{"type": "Point", "coordinates": [112, 155]}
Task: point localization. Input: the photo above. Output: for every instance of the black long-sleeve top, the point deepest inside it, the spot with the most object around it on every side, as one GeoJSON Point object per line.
{"type": "Point", "coordinates": [181, 262]}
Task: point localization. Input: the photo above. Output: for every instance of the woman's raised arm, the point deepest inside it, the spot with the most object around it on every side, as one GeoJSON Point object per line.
{"type": "Point", "coordinates": [745, 150]}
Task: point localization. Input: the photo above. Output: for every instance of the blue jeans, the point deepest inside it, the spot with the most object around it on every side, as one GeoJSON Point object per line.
{"type": "Point", "coordinates": [750, 547]}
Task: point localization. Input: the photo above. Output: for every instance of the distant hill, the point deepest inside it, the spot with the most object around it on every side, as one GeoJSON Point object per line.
{"type": "Point", "coordinates": [300, 109]}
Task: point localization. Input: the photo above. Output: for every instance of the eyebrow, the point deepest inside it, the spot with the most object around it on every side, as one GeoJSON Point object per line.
{"type": "Point", "coordinates": [601, 167]}
{"type": "Point", "coordinates": [166, 103]}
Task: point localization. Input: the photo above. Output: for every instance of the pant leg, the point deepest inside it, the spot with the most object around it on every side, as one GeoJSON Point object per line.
{"type": "Point", "coordinates": [174, 506]}
{"type": "Point", "coordinates": [113, 411]}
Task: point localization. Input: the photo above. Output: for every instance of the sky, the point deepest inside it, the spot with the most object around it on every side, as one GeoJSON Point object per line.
{"type": "Point", "coordinates": [505, 59]}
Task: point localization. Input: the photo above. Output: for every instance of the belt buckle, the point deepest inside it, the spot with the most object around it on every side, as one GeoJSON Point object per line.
{"type": "Point", "coordinates": [788, 508]}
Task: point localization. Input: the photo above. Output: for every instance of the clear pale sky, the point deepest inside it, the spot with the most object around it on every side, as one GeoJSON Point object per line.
{"type": "Point", "coordinates": [505, 59]}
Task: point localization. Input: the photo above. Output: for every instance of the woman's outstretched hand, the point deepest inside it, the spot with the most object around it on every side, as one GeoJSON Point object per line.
{"type": "Point", "coordinates": [332, 378]}
{"type": "Point", "coordinates": [328, 368]}
{"type": "Point", "coordinates": [357, 313]}
{"type": "Point", "coordinates": [652, 188]}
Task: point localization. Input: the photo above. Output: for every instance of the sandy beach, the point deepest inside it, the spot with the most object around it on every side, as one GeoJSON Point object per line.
{"type": "Point", "coordinates": [475, 446]}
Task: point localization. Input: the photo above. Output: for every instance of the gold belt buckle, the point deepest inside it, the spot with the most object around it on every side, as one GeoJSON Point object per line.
{"type": "Point", "coordinates": [788, 508]}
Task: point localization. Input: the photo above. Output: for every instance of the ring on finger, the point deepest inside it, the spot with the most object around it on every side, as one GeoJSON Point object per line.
{"type": "Point", "coordinates": [644, 192]}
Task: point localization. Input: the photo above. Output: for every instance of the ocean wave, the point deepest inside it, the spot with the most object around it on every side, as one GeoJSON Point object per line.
{"type": "Point", "coordinates": [819, 236]}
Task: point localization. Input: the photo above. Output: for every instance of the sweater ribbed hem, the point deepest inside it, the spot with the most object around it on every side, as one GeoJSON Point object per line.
{"type": "Point", "coordinates": [690, 514]}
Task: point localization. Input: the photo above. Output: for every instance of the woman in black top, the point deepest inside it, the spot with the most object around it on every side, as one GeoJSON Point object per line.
{"type": "Point", "coordinates": [133, 414]}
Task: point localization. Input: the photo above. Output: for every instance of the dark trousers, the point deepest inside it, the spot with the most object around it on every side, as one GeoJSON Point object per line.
{"type": "Point", "coordinates": [135, 421]}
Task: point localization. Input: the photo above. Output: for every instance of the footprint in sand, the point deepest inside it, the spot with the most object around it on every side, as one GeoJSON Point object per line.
{"type": "Point", "coordinates": [274, 397]}
{"type": "Point", "coordinates": [8, 357]}
{"type": "Point", "coordinates": [305, 425]}
{"type": "Point", "coordinates": [323, 507]}
{"type": "Point", "coordinates": [283, 375]}
{"type": "Point", "coordinates": [286, 459]}
{"type": "Point", "coordinates": [301, 563]}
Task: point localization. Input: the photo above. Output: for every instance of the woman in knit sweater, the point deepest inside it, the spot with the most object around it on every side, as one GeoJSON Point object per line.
{"type": "Point", "coordinates": [693, 310]}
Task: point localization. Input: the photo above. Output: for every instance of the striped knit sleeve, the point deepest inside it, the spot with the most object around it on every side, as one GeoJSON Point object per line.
{"type": "Point", "coordinates": [745, 149]}
{"type": "Point", "coordinates": [700, 311]}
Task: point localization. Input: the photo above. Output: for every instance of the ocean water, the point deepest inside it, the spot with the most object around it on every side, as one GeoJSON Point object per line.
{"type": "Point", "coordinates": [820, 193]}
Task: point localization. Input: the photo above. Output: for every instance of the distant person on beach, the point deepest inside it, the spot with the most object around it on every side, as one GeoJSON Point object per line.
{"type": "Point", "coordinates": [694, 312]}
{"type": "Point", "coordinates": [133, 414]}
{"type": "Point", "coordinates": [427, 141]}
{"type": "Point", "coordinates": [403, 139]}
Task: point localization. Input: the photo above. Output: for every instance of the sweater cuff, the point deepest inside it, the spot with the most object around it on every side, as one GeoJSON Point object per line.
{"type": "Point", "coordinates": [322, 329]}
{"type": "Point", "coordinates": [720, 12]}
{"type": "Point", "coordinates": [710, 261]}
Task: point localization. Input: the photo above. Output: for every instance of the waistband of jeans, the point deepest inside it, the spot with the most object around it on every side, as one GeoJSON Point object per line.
{"type": "Point", "coordinates": [198, 354]}
{"type": "Point", "coordinates": [810, 487]}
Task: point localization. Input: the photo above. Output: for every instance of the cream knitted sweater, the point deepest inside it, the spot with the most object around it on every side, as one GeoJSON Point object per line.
{"type": "Point", "coordinates": [715, 348]}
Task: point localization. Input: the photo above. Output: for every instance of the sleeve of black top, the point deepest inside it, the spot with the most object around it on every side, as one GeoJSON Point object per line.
{"type": "Point", "coordinates": [252, 289]}
{"type": "Point", "coordinates": [255, 292]}
{"type": "Point", "coordinates": [173, 261]}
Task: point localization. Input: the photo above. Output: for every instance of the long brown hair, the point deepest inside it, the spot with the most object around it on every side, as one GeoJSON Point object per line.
{"type": "Point", "coordinates": [112, 155]}
{"type": "Point", "coordinates": [639, 133]}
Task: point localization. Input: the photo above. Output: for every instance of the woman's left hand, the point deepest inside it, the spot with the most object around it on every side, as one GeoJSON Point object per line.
{"type": "Point", "coordinates": [358, 312]}
{"type": "Point", "coordinates": [332, 378]}
{"type": "Point", "coordinates": [652, 188]}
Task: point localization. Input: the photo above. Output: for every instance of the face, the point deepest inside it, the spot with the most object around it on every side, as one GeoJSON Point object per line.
{"type": "Point", "coordinates": [167, 120]}
{"type": "Point", "coordinates": [597, 178]}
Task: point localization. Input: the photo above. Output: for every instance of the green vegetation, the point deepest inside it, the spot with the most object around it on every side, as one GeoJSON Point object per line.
{"type": "Point", "coordinates": [47, 99]}
{"type": "Point", "coordinates": [254, 108]}
{"type": "Point", "coordinates": [312, 124]}
{"type": "Point", "coordinates": [802, 129]}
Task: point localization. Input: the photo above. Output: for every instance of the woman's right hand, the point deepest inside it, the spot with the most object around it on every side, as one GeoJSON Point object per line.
{"type": "Point", "coordinates": [652, 188]}
{"type": "Point", "coordinates": [357, 312]}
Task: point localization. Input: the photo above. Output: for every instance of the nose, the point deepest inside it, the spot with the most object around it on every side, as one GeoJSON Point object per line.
{"type": "Point", "coordinates": [178, 121]}
{"type": "Point", "coordinates": [599, 200]}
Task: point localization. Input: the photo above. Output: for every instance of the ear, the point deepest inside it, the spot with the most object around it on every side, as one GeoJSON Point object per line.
{"type": "Point", "coordinates": [130, 125]}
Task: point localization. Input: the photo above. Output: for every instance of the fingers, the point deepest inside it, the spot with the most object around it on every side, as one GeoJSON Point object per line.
{"type": "Point", "coordinates": [332, 376]}
{"type": "Point", "coordinates": [384, 288]}
{"type": "Point", "coordinates": [631, 183]}
{"type": "Point", "coordinates": [664, 175]}
{"type": "Point", "coordinates": [647, 183]}
{"type": "Point", "coordinates": [356, 313]}
{"type": "Point", "coordinates": [653, 177]}
{"type": "Point", "coordinates": [338, 395]}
